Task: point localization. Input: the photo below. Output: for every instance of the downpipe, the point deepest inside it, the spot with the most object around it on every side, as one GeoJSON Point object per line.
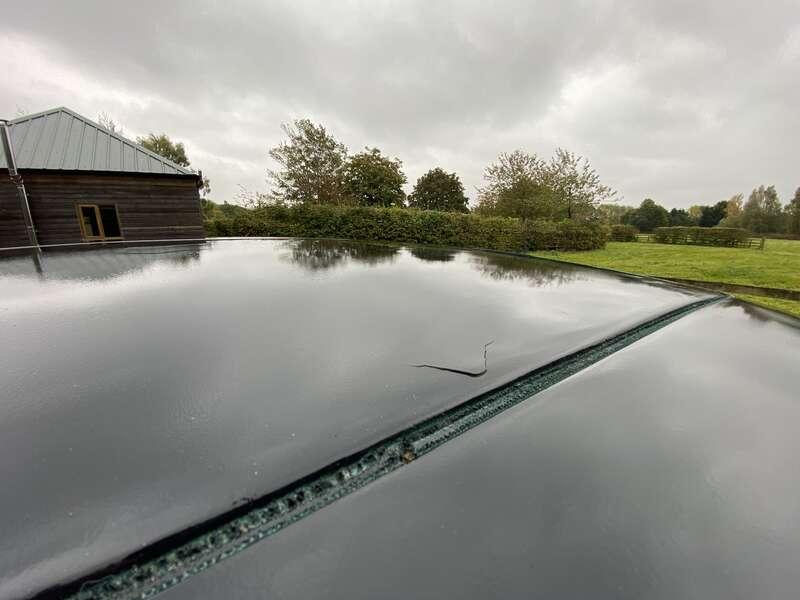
{"type": "Point", "coordinates": [16, 179]}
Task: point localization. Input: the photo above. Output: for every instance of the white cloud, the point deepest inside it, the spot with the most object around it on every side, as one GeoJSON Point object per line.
{"type": "Point", "coordinates": [687, 103]}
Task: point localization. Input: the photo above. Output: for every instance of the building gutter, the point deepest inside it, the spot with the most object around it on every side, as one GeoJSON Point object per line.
{"type": "Point", "coordinates": [16, 179]}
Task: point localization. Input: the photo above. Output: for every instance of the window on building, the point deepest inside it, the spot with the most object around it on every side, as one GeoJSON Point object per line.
{"type": "Point", "coordinates": [89, 222]}
{"type": "Point", "coordinates": [110, 221]}
{"type": "Point", "coordinates": [99, 221]}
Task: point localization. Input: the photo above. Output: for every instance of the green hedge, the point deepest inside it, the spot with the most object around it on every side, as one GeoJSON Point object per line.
{"type": "Point", "coordinates": [563, 235]}
{"type": "Point", "coordinates": [705, 236]}
{"type": "Point", "coordinates": [408, 225]}
{"type": "Point", "coordinates": [623, 233]}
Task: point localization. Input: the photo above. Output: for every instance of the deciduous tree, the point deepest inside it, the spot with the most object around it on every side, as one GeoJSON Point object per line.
{"type": "Point", "coordinates": [611, 214]}
{"type": "Point", "coordinates": [105, 120]}
{"type": "Point", "coordinates": [514, 188]}
{"type": "Point", "coordinates": [371, 179]}
{"type": "Point", "coordinates": [679, 217]}
{"type": "Point", "coordinates": [648, 216]}
{"type": "Point", "coordinates": [522, 185]}
{"type": "Point", "coordinates": [762, 213]}
{"type": "Point", "coordinates": [574, 184]}
{"type": "Point", "coordinates": [162, 145]}
{"type": "Point", "coordinates": [695, 212]}
{"type": "Point", "coordinates": [710, 216]}
{"type": "Point", "coordinates": [793, 213]}
{"type": "Point", "coordinates": [438, 190]}
{"type": "Point", "coordinates": [508, 171]}
{"type": "Point", "coordinates": [311, 164]}
{"type": "Point", "coordinates": [734, 206]}
{"type": "Point", "coordinates": [733, 211]}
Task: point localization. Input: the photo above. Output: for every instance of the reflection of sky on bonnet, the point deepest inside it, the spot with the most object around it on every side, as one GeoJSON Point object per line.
{"type": "Point", "coordinates": [232, 372]}
{"type": "Point", "coordinates": [109, 275]}
{"type": "Point", "coordinates": [93, 276]}
{"type": "Point", "coordinates": [665, 470]}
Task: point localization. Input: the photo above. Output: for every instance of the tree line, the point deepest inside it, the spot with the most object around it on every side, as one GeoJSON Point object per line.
{"type": "Point", "coordinates": [761, 213]}
{"type": "Point", "coordinates": [315, 168]}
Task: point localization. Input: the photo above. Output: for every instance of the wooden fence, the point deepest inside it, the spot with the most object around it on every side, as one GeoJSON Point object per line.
{"type": "Point", "coordinates": [757, 243]}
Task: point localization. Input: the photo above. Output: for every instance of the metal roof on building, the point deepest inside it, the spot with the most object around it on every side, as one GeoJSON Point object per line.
{"type": "Point", "coordinates": [60, 139]}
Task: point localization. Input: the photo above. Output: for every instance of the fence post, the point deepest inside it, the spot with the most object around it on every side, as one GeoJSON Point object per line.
{"type": "Point", "coordinates": [761, 247]}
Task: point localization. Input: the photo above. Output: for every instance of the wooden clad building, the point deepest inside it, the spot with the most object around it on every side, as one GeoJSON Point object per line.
{"type": "Point", "coordinates": [86, 184]}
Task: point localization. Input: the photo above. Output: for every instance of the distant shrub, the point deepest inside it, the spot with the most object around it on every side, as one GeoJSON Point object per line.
{"type": "Point", "coordinates": [623, 233]}
{"type": "Point", "coordinates": [218, 218]}
{"type": "Point", "coordinates": [705, 236]}
{"type": "Point", "coordinates": [411, 226]}
{"type": "Point", "coordinates": [563, 235]}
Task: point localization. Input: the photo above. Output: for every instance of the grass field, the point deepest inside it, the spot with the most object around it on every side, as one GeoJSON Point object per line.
{"type": "Point", "coordinates": [777, 266]}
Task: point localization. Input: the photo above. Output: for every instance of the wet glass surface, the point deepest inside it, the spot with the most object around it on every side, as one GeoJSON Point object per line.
{"type": "Point", "coordinates": [667, 470]}
{"type": "Point", "coordinates": [147, 389]}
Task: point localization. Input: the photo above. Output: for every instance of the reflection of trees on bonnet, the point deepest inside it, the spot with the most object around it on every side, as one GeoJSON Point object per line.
{"type": "Point", "coordinates": [319, 255]}
{"type": "Point", "coordinates": [512, 268]}
{"type": "Point", "coordinates": [433, 254]}
{"type": "Point", "coordinates": [97, 264]}
{"type": "Point", "coordinates": [760, 314]}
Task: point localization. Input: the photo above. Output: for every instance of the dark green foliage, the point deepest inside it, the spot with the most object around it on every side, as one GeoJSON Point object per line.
{"type": "Point", "coordinates": [623, 233]}
{"type": "Point", "coordinates": [647, 217]}
{"type": "Point", "coordinates": [680, 217]}
{"type": "Point", "coordinates": [704, 236]}
{"type": "Point", "coordinates": [563, 235]}
{"type": "Point", "coordinates": [411, 226]}
{"type": "Point", "coordinates": [437, 190]}
{"type": "Point", "coordinates": [218, 218]}
{"type": "Point", "coordinates": [371, 179]}
{"type": "Point", "coordinates": [163, 146]}
{"type": "Point", "coordinates": [432, 254]}
{"type": "Point", "coordinates": [793, 214]}
{"type": "Point", "coordinates": [712, 215]}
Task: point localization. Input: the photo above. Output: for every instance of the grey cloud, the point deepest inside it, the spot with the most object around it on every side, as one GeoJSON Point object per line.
{"type": "Point", "coordinates": [683, 101]}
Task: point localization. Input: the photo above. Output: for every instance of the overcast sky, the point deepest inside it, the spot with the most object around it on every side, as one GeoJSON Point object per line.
{"type": "Point", "coordinates": [686, 102]}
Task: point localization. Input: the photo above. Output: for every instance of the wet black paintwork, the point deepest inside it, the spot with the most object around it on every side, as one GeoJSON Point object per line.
{"type": "Point", "coordinates": [665, 471]}
{"type": "Point", "coordinates": [147, 389]}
